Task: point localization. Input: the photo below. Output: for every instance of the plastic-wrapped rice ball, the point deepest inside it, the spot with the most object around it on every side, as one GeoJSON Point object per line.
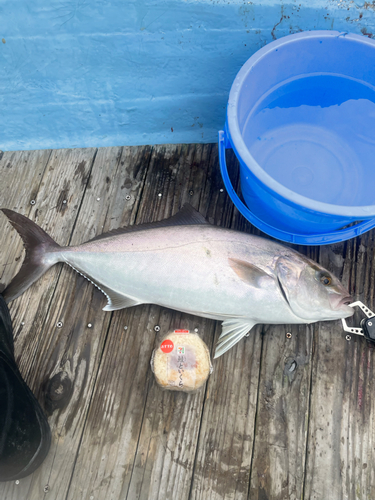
{"type": "Point", "coordinates": [181, 362]}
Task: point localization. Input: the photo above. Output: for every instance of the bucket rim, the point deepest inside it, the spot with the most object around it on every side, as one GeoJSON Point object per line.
{"type": "Point", "coordinates": [235, 137]}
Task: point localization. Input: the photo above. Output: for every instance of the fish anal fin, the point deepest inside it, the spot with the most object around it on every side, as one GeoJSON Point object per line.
{"type": "Point", "coordinates": [115, 300]}
{"type": "Point", "coordinates": [249, 273]}
{"type": "Point", "coordinates": [233, 330]}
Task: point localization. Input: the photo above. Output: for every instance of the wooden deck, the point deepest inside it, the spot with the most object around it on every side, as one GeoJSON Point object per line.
{"type": "Point", "coordinates": [278, 419]}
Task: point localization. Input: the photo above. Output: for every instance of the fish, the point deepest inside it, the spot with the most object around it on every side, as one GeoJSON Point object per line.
{"type": "Point", "coordinates": [189, 265]}
{"type": "Point", "coordinates": [25, 435]}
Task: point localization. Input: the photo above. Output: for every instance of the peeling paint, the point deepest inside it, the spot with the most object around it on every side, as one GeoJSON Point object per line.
{"type": "Point", "coordinates": [277, 24]}
{"type": "Point", "coordinates": [369, 6]}
{"type": "Point", "coordinates": [366, 33]}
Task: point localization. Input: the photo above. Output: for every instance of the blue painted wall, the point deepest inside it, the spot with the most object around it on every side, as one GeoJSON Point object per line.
{"type": "Point", "coordinates": [76, 73]}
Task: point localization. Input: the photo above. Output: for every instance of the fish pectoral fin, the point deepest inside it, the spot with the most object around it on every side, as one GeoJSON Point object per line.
{"type": "Point", "coordinates": [233, 330]}
{"type": "Point", "coordinates": [249, 273]}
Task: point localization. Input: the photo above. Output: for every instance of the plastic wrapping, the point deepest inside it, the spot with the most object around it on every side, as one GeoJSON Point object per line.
{"type": "Point", "coordinates": [181, 362]}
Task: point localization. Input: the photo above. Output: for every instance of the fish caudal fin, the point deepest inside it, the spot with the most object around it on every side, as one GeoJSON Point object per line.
{"type": "Point", "coordinates": [40, 249]}
{"type": "Point", "coordinates": [233, 330]}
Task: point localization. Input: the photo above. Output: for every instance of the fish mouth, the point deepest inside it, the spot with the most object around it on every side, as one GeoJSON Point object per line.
{"type": "Point", "coordinates": [346, 301]}
{"type": "Point", "coordinates": [343, 305]}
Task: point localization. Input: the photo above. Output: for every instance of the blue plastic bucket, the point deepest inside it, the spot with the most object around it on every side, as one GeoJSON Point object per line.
{"type": "Point", "coordinates": [301, 120]}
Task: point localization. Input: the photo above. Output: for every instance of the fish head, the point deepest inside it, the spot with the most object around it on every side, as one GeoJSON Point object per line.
{"type": "Point", "coordinates": [312, 292]}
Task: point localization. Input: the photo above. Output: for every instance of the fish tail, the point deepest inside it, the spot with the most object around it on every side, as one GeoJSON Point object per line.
{"type": "Point", "coordinates": [41, 254]}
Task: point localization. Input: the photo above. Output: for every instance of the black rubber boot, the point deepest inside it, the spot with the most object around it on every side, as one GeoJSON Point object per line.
{"type": "Point", "coordinates": [25, 436]}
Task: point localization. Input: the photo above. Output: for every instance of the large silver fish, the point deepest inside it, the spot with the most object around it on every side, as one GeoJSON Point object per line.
{"type": "Point", "coordinates": [187, 264]}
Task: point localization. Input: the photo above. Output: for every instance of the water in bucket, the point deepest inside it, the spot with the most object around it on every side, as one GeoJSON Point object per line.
{"type": "Point", "coordinates": [315, 135]}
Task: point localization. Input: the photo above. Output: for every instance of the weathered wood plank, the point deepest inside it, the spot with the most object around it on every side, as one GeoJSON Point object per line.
{"type": "Point", "coordinates": [106, 455]}
{"type": "Point", "coordinates": [168, 439]}
{"type": "Point", "coordinates": [20, 178]}
{"type": "Point", "coordinates": [117, 180]}
{"type": "Point", "coordinates": [64, 179]}
{"type": "Point", "coordinates": [227, 432]}
{"type": "Point", "coordinates": [121, 388]}
{"type": "Point", "coordinates": [116, 435]}
{"type": "Point", "coordinates": [118, 402]}
{"type": "Point", "coordinates": [69, 358]}
{"type": "Point", "coordinates": [341, 446]}
{"type": "Point", "coordinates": [224, 453]}
{"type": "Point", "coordinates": [166, 448]}
{"type": "Point", "coordinates": [278, 466]}
{"type": "Point", "coordinates": [61, 180]}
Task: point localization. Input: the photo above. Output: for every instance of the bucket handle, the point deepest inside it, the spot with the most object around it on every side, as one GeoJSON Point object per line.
{"type": "Point", "coordinates": [299, 239]}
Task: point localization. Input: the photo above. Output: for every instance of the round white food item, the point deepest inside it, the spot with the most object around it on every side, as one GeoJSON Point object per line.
{"type": "Point", "coordinates": [182, 362]}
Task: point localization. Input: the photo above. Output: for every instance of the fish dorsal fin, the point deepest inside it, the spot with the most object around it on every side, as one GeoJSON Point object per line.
{"type": "Point", "coordinates": [115, 300]}
{"type": "Point", "coordinates": [249, 273]}
{"type": "Point", "coordinates": [233, 330]}
{"type": "Point", "coordinates": [186, 216]}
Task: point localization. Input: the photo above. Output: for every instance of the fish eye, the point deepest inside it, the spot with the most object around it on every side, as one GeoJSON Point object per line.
{"type": "Point", "coordinates": [325, 280]}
